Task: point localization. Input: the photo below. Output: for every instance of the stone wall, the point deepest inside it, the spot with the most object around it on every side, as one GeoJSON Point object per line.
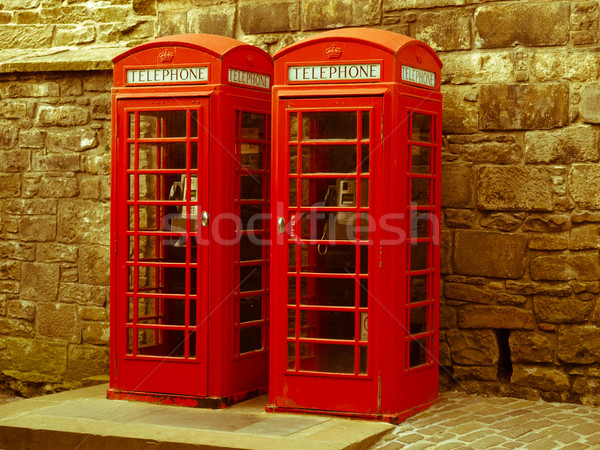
{"type": "Point", "coordinates": [520, 312]}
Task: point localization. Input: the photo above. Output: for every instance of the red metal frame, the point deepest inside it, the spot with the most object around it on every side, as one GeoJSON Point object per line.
{"type": "Point", "coordinates": [177, 327]}
{"type": "Point", "coordinates": [393, 373]}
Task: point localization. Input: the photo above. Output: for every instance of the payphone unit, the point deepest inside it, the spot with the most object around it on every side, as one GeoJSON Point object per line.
{"type": "Point", "coordinates": [356, 195]}
{"type": "Point", "coordinates": [190, 204]}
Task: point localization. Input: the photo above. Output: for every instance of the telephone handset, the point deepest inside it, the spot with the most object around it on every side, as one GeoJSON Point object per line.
{"type": "Point", "coordinates": [179, 192]}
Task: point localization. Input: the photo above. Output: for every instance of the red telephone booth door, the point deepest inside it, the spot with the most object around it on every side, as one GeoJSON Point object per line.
{"type": "Point", "coordinates": [162, 185]}
{"type": "Point", "coordinates": [326, 255]}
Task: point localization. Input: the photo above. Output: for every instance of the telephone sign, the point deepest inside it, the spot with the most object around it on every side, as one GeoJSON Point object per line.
{"type": "Point", "coordinates": [355, 253]}
{"type": "Point", "coordinates": [190, 204]}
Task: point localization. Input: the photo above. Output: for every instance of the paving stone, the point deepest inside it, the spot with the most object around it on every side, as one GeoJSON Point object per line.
{"type": "Point", "coordinates": [587, 429]}
{"type": "Point", "coordinates": [566, 437]}
{"type": "Point", "coordinates": [542, 444]}
{"type": "Point", "coordinates": [575, 446]}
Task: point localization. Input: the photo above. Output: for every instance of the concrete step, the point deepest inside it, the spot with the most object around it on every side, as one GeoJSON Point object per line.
{"type": "Point", "coordinates": [84, 419]}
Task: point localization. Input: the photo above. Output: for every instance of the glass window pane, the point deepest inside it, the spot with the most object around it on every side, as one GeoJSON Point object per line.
{"type": "Point", "coordinates": [421, 159]}
{"type": "Point", "coordinates": [329, 159]}
{"type": "Point", "coordinates": [328, 291]}
{"type": "Point", "coordinates": [131, 127]}
{"type": "Point", "coordinates": [330, 325]}
{"type": "Point", "coordinates": [366, 124]}
{"type": "Point", "coordinates": [250, 309]}
{"type": "Point", "coordinates": [420, 192]}
{"type": "Point", "coordinates": [293, 127]}
{"type": "Point", "coordinates": [418, 352]}
{"type": "Point", "coordinates": [169, 343]}
{"type": "Point", "coordinates": [365, 159]}
{"type": "Point", "coordinates": [293, 193]}
{"type": "Point", "coordinates": [155, 124]}
{"type": "Point", "coordinates": [364, 361]}
{"type": "Point", "coordinates": [291, 356]}
{"type": "Point", "coordinates": [421, 127]}
{"type": "Point", "coordinates": [333, 259]}
{"type": "Point", "coordinates": [418, 320]}
{"type": "Point", "coordinates": [334, 192]}
{"type": "Point", "coordinates": [251, 217]}
{"type": "Point", "coordinates": [293, 159]}
{"type": "Point", "coordinates": [251, 187]}
{"type": "Point", "coordinates": [250, 339]}
{"type": "Point", "coordinates": [421, 224]}
{"type": "Point", "coordinates": [291, 290]}
{"type": "Point", "coordinates": [418, 256]}
{"type": "Point", "coordinates": [253, 126]}
{"type": "Point", "coordinates": [329, 125]}
{"type": "Point", "coordinates": [418, 288]}
{"type": "Point", "coordinates": [250, 248]}
{"type": "Point", "coordinates": [251, 155]}
{"type": "Point", "coordinates": [250, 278]}
{"type": "Point", "coordinates": [328, 358]}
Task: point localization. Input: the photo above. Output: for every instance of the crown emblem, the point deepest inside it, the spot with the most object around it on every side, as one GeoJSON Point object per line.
{"type": "Point", "coordinates": [250, 60]}
{"type": "Point", "coordinates": [333, 52]}
{"type": "Point", "coordinates": [419, 57]}
{"type": "Point", "coordinates": [166, 56]}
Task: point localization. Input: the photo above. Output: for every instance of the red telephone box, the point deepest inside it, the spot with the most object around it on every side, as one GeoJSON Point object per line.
{"type": "Point", "coordinates": [190, 199]}
{"type": "Point", "coordinates": [356, 198]}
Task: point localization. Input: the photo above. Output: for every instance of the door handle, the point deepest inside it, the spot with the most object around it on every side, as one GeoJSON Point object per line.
{"type": "Point", "coordinates": [204, 218]}
{"type": "Point", "coordinates": [281, 225]}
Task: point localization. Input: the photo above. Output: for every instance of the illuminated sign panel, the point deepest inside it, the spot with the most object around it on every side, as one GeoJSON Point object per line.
{"type": "Point", "coordinates": [167, 75]}
{"type": "Point", "coordinates": [335, 72]}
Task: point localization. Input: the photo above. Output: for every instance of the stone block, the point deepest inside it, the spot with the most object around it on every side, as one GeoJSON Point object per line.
{"type": "Point", "coordinates": [89, 188]}
{"type": "Point", "coordinates": [25, 36]}
{"type": "Point", "coordinates": [98, 82]}
{"type": "Point", "coordinates": [473, 347]}
{"type": "Point", "coordinates": [467, 293]}
{"type": "Point", "coordinates": [495, 317]}
{"type": "Point", "coordinates": [501, 222]}
{"type": "Point", "coordinates": [93, 313]}
{"type": "Point", "coordinates": [447, 244]}
{"type": "Point", "coordinates": [445, 30]}
{"type": "Point", "coordinates": [565, 65]}
{"type": "Point", "coordinates": [144, 7]}
{"type": "Point", "coordinates": [58, 187]}
{"type": "Point", "coordinates": [56, 163]}
{"type": "Point", "coordinates": [322, 14]}
{"type": "Point", "coordinates": [581, 267]}
{"type": "Point", "coordinates": [74, 213]}
{"type": "Point", "coordinates": [543, 378]}
{"type": "Point", "coordinates": [30, 207]}
{"type": "Point", "coordinates": [552, 223]}
{"type": "Point", "coordinates": [21, 309]}
{"type": "Point", "coordinates": [393, 5]}
{"type": "Point", "coordinates": [514, 188]}
{"type": "Point", "coordinates": [17, 250]}
{"type": "Point", "coordinates": [94, 265]}
{"type": "Point", "coordinates": [584, 185]}
{"type": "Point", "coordinates": [523, 106]}
{"type": "Point", "coordinates": [269, 17]}
{"type": "Point", "coordinates": [14, 160]}
{"type": "Point", "coordinates": [87, 361]}
{"type": "Point", "coordinates": [484, 373]}
{"type": "Point", "coordinates": [490, 149]}
{"type": "Point", "coordinates": [475, 67]}
{"type": "Point", "coordinates": [579, 344]}
{"type": "Point", "coordinates": [36, 356]}
{"type": "Point", "coordinates": [66, 14]}
{"type": "Point", "coordinates": [10, 270]}
{"type": "Point", "coordinates": [569, 145]}
{"type": "Point", "coordinates": [53, 252]}
{"type": "Point", "coordinates": [590, 106]}
{"type": "Point", "coordinates": [74, 140]}
{"type": "Point", "coordinates": [509, 299]}
{"type": "Point", "coordinates": [98, 164]}
{"type": "Point", "coordinates": [13, 110]}
{"type": "Point", "coordinates": [173, 23]}
{"type": "Point", "coordinates": [585, 216]}
{"type": "Point", "coordinates": [62, 116]}
{"type": "Point", "coordinates": [33, 138]}
{"type": "Point", "coordinates": [531, 347]}
{"type": "Point", "coordinates": [459, 218]}
{"type": "Point", "coordinates": [33, 89]}
{"type": "Point", "coordinates": [526, 23]}
{"type": "Point", "coordinates": [549, 242]}
{"type": "Point", "coordinates": [74, 35]}
{"type": "Point", "coordinates": [460, 115]}
{"type": "Point", "coordinates": [57, 321]}
{"type": "Point", "coordinates": [37, 228]}
{"type": "Point", "coordinates": [457, 186]}
{"type": "Point", "coordinates": [39, 281]}
{"type": "Point", "coordinates": [561, 309]}
{"type": "Point", "coordinates": [585, 237]}
{"type": "Point", "coordinates": [490, 254]}
{"type": "Point", "coordinates": [83, 294]}
{"type": "Point", "coordinates": [96, 333]}
{"type": "Point", "coordinates": [217, 19]}
{"type": "Point", "coordinates": [10, 185]}
{"type": "Point", "coordinates": [112, 13]}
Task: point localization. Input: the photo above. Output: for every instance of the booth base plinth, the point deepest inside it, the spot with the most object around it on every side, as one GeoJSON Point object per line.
{"type": "Point", "coordinates": [395, 418]}
{"type": "Point", "coordinates": [189, 401]}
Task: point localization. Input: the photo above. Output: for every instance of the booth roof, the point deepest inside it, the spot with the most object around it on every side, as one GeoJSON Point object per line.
{"type": "Point", "coordinates": [217, 46]}
{"type": "Point", "coordinates": [385, 40]}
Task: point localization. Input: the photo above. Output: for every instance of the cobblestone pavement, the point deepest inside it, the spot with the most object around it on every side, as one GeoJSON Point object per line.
{"type": "Point", "coordinates": [462, 421]}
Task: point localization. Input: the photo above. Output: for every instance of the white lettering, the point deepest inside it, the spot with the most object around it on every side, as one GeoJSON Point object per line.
{"type": "Point", "coordinates": [167, 75]}
{"type": "Point", "coordinates": [335, 72]}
